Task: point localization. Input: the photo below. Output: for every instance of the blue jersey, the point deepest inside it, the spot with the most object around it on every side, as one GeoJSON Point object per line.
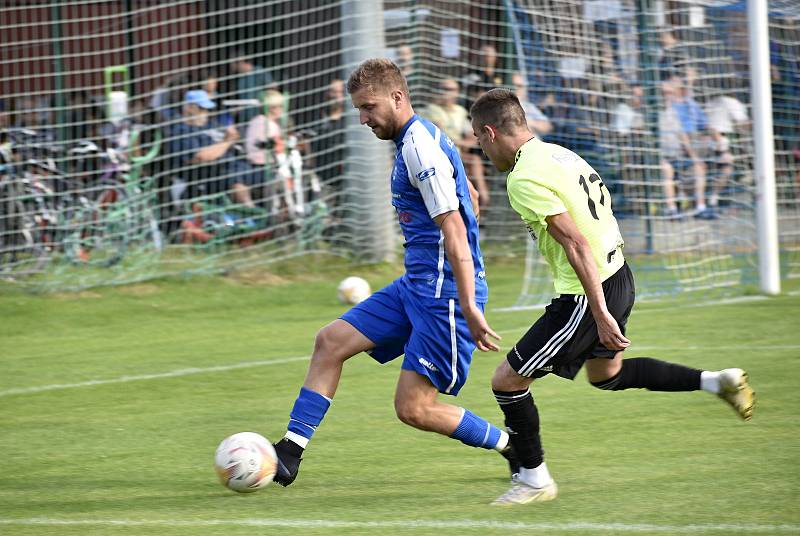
{"type": "Point", "coordinates": [428, 179]}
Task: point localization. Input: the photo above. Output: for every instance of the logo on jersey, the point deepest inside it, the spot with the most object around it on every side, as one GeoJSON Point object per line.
{"type": "Point", "coordinates": [531, 231]}
{"type": "Point", "coordinates": [425, 173]}
{"type": "Point", "coordinates": [427, 364]}
{"type": "Point", "coordinates": [404, 217]}
{"type": "Point", "coordinates": [565, 157]}
{"type": "Point", "coordinates": [447, 140]}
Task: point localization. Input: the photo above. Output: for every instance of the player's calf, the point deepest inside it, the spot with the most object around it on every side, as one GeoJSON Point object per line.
{"type": "Point", "coordinates": [652, 374]}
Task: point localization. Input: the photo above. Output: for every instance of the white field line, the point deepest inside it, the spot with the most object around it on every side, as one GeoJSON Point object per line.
{"type": "Point", "coordinates": [250, 364]}
{"type": "Point", "coordinates": [580, 527]}
{"type": "Point", "coordinates": [171, 374]}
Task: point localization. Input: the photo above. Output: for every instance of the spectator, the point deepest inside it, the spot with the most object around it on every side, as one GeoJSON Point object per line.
{"type": "Point", "coordinates": [673, 58]}
{"type": "Point", "coordinates": [694, 124]}
{"type": "Point", "coordinates": [453, 119]}
{"type": "Point", "coordinates": [203, 157]}
{"type": "Point", "coordinates": [265, 143]}
{"type": "Point", "coordinates": [538, 123]}
{"type": "Point", "coordinates": [251, 82]}
{"type": "Point", "coordinates": [5, 114]}
{"type": "Point", "coordinates": [405, 60]}
{"type": "Point", "coordinates": [328, 143]}
{"type": "Point", "coordinates": [485, 78]}
{"type": "Point", "coordinates": [628, 117]}
{"type": "Point", "coordinates": [725, 115]}
{"type": "Point", "coordinates": [208, 81]}
{"type": "Point", "coordinates": [167, 99]}
{"type": "Point", "coordinates": [678, 156]}
{"type": "Point", "coordinates": [7, 156]}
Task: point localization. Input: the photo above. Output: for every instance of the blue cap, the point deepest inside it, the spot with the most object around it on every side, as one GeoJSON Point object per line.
{"type": "Point", "coordinates": [200, 98]}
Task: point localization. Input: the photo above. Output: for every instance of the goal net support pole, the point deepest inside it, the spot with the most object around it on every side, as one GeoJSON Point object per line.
{"type": "Point", "coordinates": [363, 38]}
{"type": "Point", "coordinates": [764, 155]}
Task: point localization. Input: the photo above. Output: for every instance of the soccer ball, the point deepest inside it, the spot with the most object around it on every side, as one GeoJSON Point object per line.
{"type": "Point", "coordinates": [353, 290]}
{"type": "Point", "coordinates": [245, 462]}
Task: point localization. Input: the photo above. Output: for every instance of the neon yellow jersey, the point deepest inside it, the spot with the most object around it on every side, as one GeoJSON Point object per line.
{"type": "Point", "coordinates": [548, 179]}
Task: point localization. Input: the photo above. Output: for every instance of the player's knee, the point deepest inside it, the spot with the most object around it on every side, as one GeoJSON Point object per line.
{"type": "Point", "coordinates": [325, 344]}
{"type": "Point", "coordinates": [411, 414]}
{"type": "Point", "coordinates": [506, 378]}
{"type": "Point", "coordinates": [601, 370]}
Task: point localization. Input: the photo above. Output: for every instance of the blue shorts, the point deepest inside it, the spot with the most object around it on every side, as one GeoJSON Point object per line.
{"type": "Point", "coordinates": [431, 332]}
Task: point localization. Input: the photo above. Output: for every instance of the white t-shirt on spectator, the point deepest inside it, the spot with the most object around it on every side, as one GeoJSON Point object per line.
{"type": "Point", "coordinates": [724, 113]}
{"type": "Point", "coordinates": [670, 131]}
{"type": "Point", "coordinates": [627, 119]}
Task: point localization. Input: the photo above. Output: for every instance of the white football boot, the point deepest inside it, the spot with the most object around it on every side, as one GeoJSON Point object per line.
{"type": "Point", "coordinates": [522, 493]}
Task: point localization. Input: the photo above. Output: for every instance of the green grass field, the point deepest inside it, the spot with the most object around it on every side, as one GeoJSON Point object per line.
{"type": "Point", "coordinates": [112, 402]}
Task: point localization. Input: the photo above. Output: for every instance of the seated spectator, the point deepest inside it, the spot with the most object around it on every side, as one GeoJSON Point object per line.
{"type": "Point", "coordinates": [167, 99]}
{"type": "Point", "coordinates": [453, 119]}
{"type": "Point", "coordinates": [628, 115]}
{"type": "Point", "coordinates": [678, 155]}
{"type": "Point", "coordinates": [694, 124]}
{"type": "Point", "coordinates": [328, 149]}
{"type": "Point", "coordinates": [5, 113]}
{"type": "Point", "coordinates": [726, 114]}
{"type": "Point", "coordinates": [484, 78]}
{"type": "Point", "coordinates": [208, 81]}
{"type": "Point", "coordinates": [203, 157]}
{"type": "Point", "coordinates": [7, 156]}
{"type": "Point", "coordinates": [538, 123]}
{"type": "Point", "coordinates": [251, 82]}
{"type": "Point", "coordinates": [200, 228]}
{"type": "Point", "coordinates": [266, 143]}
{"type": "Point", "coordinates": [672, 56]}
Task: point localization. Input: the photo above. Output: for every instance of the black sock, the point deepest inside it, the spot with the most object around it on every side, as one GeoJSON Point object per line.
{"type": "Point", "coordinates": [522, 424]}
{"type": "Point", "coordinates": [652, 374]}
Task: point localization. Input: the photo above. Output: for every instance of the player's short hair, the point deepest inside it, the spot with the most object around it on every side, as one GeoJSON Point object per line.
{"type": "Point", "coordinates": [378, 75]}
{"type": "Point", "coordinates": [499, 108]}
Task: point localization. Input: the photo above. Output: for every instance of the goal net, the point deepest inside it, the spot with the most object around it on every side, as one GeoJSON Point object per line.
{"type": "Point", "coordinates": [655, 95]}
{"type": "Point", "coordinates": [144, 138]}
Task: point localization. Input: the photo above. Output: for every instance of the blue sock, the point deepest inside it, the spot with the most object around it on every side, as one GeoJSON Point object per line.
{"type": "Point", "coordinates": [475, 432]}
{"type": "Point", "coordinates": [308, 411]}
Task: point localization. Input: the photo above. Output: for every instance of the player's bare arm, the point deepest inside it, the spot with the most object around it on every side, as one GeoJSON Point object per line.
{"type": "Point", "coordinates": [460, 258]}
{"type": "Point", "coordinates": [562, 227]}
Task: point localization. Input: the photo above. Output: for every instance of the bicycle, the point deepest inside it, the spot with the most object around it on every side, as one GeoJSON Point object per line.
{"type": "Point", "coordinates": [102, 232]}
{"type": "Point", "coordinates": [37, 202]}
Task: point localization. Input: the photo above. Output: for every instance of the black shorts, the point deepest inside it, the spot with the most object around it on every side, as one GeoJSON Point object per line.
{"type": "Point", "coordinates": [566, 335]}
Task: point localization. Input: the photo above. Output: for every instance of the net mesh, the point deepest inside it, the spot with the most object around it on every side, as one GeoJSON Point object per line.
{"type": "Point", "coordinates": [144, 138]}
